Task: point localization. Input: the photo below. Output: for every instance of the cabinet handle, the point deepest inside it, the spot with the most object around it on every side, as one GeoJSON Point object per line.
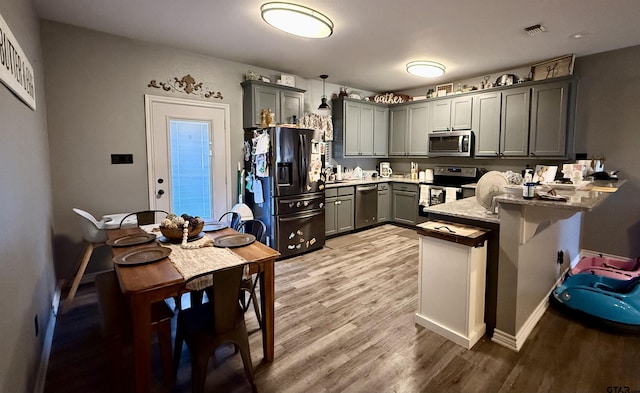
{"type": "Point", "coordinates": [532, 154]}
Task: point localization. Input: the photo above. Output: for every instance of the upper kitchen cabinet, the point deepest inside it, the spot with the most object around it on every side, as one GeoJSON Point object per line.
{"type": "Point", "coordinates": [514, 137]}
{"type": "Point", "coordinates": [408, 131]}
{"type": "Point", "coordinates": [451, 114]}
{"type": "Point", "coordinates": [549, 104]}
{"type": "Point", "coordinates": [523, 121]}
{"type": "Point", "coordinates": [486, 124]}
{"type": "Point", "coordinates": [284, 101]}
{"type": "Point", "coordinates": [360, 128]}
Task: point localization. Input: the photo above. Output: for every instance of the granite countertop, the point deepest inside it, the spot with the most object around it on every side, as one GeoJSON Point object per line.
{"type": "Point", "coordinates": [464, 208]}
{"type": "Point", "coordinates": [584, 199]}
{"type": "Point", "coordinates": [352, 182]}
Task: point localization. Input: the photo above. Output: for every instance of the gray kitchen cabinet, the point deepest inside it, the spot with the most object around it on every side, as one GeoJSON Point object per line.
{"type": "Point", "coordinates": [380, 131]}
{"type": "Point", "coordinates": [360, 128]}
{"type": "Point", "coordinates": [384, 202]}
{"type": "Point", "coordinates": [339, 210]}
{"type": "Point", "coordinates": [284, 101]}
{"type": "Point", "coordinates": [548, 134]}
{"type": "Point", "coordinates": [486, 124]}
{"type": "Point", "coordinates": [408, 129]}
{"type": "Point", "coordinates": [514, 137]}
{"type": "Point", "coordinates": [398, 122]}
{"type": "Point", "coordinates": [418, 129]}
{"type": "Point", "coordinates": [405, 203]}
{"type": "Point", "coordinates": [451, 114]}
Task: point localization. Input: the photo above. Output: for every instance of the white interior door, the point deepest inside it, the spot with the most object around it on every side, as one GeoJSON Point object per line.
{"type": "Point", "coordinates": [188, 148]}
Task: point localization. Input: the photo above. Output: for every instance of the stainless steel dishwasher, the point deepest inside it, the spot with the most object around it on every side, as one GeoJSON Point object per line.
{"type": "Point", "coordinates": [366, 205]}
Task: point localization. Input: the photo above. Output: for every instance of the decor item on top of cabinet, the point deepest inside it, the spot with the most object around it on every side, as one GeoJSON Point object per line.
{"type": "Point", "coordinates": [187, 84]}
{"type": "Point", "coordinates": [265, 79]}
{"type": "Point", "coordinates": [553, 68]}
{"type": "Point", "coordinates": [252, 76]}
{"type": "Point", "coordinates": [390, 98]}
{"type": "Point", "coordinates": [288, 80]}
{"type": "Point", "coordinates": [443, 90]}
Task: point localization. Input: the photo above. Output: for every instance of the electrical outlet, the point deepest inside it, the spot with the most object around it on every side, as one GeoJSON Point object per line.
{"type": "Point", "coordinates": [36, 325]}
{"type": "Point", "coordinates": [560, 257]}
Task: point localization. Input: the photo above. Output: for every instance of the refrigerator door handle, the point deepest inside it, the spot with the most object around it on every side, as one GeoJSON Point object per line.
{"type": "Point", "coordinates": [303, 160]}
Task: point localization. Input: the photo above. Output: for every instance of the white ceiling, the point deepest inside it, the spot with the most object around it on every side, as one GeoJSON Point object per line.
{"type": "Point", "coordinates": [372, 39]}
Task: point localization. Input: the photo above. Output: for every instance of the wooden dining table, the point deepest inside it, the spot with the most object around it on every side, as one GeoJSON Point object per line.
{"type": "Point", "coordinates": [153, 282]}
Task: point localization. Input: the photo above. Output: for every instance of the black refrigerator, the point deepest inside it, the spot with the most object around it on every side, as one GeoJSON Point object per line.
{"type": "Point", "coordinates": [292, 201]}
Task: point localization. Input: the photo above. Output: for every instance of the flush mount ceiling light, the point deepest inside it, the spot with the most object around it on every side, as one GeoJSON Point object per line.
{"type": "Point", "coordinates": [296, 19]}
{"type": "Point", "coordinates": [323, 104]}
{"type": "Point", "coordinates": [425, 69]}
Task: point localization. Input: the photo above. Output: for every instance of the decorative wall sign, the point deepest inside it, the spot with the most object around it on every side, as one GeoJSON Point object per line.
{"type": "Point", "coordinates": [15, 70]}
{"type": "Point", "coordinates": [390, 98]}
{"type": "Point", "coordinates": [185, 85]}
{"type": "Point", "coordinates": [553, 68]}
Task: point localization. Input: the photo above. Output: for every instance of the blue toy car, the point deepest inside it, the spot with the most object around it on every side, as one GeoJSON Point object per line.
{"type": "Point", "coordinates": [614, 303]}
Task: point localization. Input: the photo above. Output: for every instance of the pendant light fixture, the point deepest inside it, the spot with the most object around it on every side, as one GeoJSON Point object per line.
{"type": "Point", "coordinates": [296, 19]}
{"type": "Point", "coordinates": [425, 69]}
{"type": "Point", "coordinates": [323, 104]}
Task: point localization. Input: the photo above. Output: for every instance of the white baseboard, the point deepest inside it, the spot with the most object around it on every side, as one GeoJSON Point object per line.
{"type": "Point", "coordinates": [47, 342]}
{"type": "Point", "coordinates": [463, 341]}
{"type": "Point", "coordinates": [515, 343]}
{"type": "Point", "coordinates": [589, 253]}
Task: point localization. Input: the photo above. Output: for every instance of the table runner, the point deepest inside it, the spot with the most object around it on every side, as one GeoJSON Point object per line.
{"type": "Point", "coordinates": [193, 261]}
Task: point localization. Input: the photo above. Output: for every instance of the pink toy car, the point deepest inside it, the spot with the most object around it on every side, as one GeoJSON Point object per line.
{"type": "Point", "coordinates": [608, 267]}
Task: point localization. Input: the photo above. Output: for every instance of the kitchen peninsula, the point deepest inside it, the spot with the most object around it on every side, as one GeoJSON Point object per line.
{"type": "Point", "coordinates": [537, 240]}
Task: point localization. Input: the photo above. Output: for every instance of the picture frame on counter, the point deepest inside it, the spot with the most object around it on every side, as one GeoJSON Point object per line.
{"type": "Point", "coordinates": [553, 68]}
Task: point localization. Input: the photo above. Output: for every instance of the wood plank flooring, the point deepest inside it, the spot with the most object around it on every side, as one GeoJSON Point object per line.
{"type": "Point", "coordinates": [345, 323]}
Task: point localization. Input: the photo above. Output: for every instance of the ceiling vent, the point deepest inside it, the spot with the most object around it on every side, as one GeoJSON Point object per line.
{"type": "Point", "coordinates": [535, 29]}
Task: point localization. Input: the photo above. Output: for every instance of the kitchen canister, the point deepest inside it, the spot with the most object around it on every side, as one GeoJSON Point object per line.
{"type": "Point", "coordinates": [421, 176]}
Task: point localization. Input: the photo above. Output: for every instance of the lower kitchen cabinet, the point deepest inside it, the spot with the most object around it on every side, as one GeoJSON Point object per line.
{"type": "Point", "coordinates": [405, 203]}
{"type": "Point", "coordinates": [384, 202]}
{"type": "Point", "coordinates": [338, 210]}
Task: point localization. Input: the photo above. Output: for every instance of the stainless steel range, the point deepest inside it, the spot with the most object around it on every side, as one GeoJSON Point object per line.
{"type": "Point", "coordinates": [446, 185]}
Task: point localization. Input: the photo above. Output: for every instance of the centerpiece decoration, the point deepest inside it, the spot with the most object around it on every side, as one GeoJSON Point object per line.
{"type": "Point", "coordinates": [183, 227]}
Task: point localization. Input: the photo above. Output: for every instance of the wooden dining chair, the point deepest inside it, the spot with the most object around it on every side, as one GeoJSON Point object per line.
{"type": "Point", "coordinates": [206, 326]}
{"type": "Point", "coordinates": [117, 328]}
{"type": "Point", "coordinates": [248, 285]}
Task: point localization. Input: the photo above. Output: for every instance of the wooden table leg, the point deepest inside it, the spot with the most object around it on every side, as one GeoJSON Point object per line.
{"type": "Point", "coordinates": [267, 298]}
{"type": "Point", "coordinates": [141, 321]}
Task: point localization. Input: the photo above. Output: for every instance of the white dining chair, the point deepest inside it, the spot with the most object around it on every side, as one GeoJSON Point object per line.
{"type": "Point", "coordinates": [94, 233]}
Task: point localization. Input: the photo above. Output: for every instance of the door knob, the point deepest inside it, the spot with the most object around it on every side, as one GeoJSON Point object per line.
{"type": "Point", "coordinates": [160, 192]}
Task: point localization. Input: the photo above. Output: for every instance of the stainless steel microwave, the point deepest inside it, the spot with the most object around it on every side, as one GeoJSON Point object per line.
{"type": "Point", "coordinates": [450, 143]}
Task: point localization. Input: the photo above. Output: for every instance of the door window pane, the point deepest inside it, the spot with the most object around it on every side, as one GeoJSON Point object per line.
{"type": "Point", "coordinates": [190, 167]}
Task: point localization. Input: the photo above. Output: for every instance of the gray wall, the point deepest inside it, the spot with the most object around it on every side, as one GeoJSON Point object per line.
{"type": "Point", "coordinates": [608, 123]}
{"type": "Point", "coordinates": [96, 84]}
{"type": "Point", "coordinates": [27, 282]}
